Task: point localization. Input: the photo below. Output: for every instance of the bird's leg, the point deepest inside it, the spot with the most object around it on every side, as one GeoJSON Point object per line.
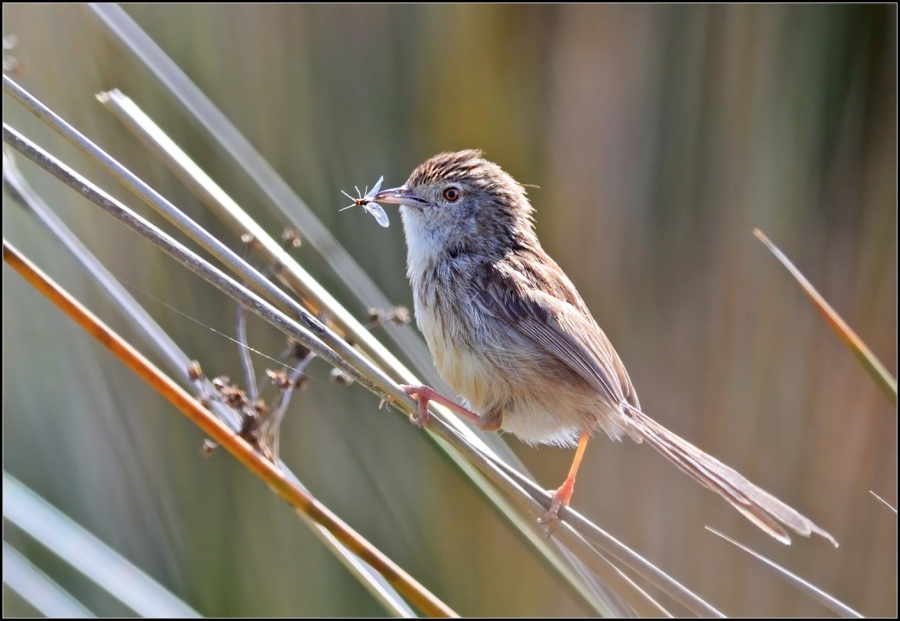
{"type": "Point", "coordinates": [563, 495]}
{"type": "Point", "coordinates": [424, 394]}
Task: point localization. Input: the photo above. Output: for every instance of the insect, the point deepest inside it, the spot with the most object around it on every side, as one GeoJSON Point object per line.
{"type": "Point", "coordinates": [366, 203]}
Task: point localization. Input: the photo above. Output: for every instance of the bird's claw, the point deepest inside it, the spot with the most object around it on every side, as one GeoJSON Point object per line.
{"type": "Point", "coordinates": [549, 519]}
{"type": "Point", "coordinates": [422, 417]}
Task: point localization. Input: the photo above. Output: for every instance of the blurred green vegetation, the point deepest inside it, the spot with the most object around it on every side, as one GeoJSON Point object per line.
{"type": "Point", "coordinates": [659, 136]}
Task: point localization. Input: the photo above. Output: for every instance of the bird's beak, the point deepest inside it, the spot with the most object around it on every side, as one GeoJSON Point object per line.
{"type": "Point", "coordinates": [399, 196]}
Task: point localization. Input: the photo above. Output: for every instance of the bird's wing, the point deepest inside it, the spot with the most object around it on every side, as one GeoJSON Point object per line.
{"type": "Point", "coordinates": [550, 312]}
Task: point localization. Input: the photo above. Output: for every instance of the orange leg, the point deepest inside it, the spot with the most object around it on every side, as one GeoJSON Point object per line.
{"type": "Point", "coordinates": [424, 394]}
{"type": "Point", "coordinates": [563, 495]}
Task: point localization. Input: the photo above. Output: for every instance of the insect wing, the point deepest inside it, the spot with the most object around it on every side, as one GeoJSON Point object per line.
{"type": "Point", "coordinates": [378, 213]}
{"type": "Point", "coordinates": [375, 189]}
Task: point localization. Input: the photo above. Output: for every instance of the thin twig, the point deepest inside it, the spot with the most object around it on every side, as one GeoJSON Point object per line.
{"type": "Point", "coordinates": [867, 358]}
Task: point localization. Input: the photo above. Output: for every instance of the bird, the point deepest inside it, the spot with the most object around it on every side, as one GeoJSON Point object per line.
{"type": "Point", "coordinates": [510, 334]}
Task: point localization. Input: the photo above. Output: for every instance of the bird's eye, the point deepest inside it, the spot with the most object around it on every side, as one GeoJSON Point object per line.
{"type": "Point", "coordinates": [451, 194]}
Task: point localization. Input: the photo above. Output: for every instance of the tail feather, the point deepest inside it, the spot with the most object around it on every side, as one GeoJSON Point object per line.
{"type": "Point", "coordinates": [757, 505]}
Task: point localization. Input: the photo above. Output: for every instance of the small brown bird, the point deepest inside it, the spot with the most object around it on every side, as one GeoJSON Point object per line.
{"type": "Point", "coordinates": [510, 333]}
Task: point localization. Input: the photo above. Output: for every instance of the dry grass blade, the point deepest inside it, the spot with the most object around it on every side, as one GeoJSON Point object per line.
{"type": "Point", "coordinates": [814, 592]}
{"type": "Point", "coordinates": [884, 502]}
{"type": "Point", "coordinates": [862, 352]}
{"type": "Point", "coordinates": [225, 437]}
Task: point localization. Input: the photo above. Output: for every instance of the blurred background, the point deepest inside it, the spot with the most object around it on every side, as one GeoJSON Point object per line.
{"type": "Point", "coordinates": [659, 138]}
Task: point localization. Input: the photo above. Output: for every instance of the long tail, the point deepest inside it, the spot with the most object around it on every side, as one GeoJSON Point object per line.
{"type": "Point", "coordinates": [758, 505]}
